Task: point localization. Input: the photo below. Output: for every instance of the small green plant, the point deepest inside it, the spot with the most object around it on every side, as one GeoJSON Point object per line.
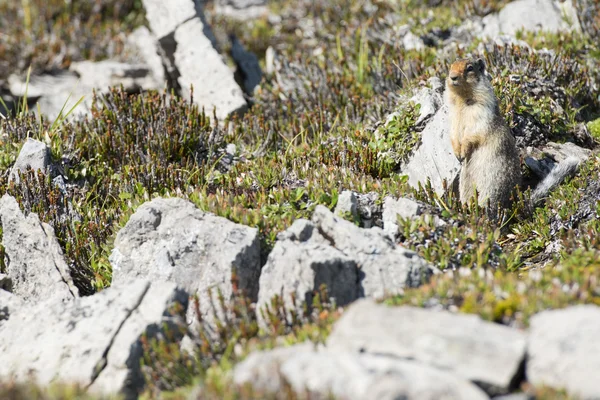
{"type": "Point", "coordinates": [594, 128]}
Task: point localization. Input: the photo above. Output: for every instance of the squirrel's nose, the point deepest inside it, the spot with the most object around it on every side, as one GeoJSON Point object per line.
{"type": "Point", "coordinates": [454, 78]}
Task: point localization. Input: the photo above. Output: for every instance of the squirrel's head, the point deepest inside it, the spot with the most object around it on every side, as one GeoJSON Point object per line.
{"type": "Point", "coordinates": [465, 73]}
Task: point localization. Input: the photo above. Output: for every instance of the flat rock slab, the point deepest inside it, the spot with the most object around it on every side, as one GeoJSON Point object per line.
{"type": "Point", "coordinates": [353, 262]}
{"type": "Point", "coordinates": [201, 66]}
{"type": "Point", "coordinates": [62, 91]}
{"type": "Point", "coordinates": [170, 240]}
{"type": "Point", "coordinates": [434, 159]}
{"type": "Point", "coordinates": [348, 375]}
{"type": "Point", "coordinates": [36, 266]}
{"type": "Point", "coordinates": [92, 341]}
{"type": "Point", "coordinates": [564, 350]}
{"type": "Point", "coordinates": [485, 353]}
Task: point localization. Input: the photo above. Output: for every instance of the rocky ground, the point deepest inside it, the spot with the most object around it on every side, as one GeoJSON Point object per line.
{"type": "Point", "coordinates": [248, 199]}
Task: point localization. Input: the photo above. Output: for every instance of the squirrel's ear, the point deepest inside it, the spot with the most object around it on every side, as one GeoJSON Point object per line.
{"type": "Point", "coordinates": [481, 64]}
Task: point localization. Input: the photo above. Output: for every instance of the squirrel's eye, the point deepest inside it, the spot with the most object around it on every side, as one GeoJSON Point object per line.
{"type": "Point", "coordinates": [469, 68]}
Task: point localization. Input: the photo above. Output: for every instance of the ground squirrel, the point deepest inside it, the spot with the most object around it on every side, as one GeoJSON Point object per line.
{"type": "Point", "coordinates": [483, 142]}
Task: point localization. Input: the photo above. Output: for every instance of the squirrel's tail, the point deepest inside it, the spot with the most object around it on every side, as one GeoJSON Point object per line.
{"type": "Point", "coordinates": [565, 168]}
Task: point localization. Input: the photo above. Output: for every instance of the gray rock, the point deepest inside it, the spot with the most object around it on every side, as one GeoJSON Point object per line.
{"type": "Point", "coordinates": [385, 268]}
{"type": "Point", "coordinates": [348, 375]}
{"type": "Point", "coordinates": [436, 84]}
{"type": "Point", "coordinates": [242, 9]}
{"type": "Point", "coordinates": [247, 64]}
{"type": "Point", "coordinates": [62, 92]}
{"type": "Point", "coordinates": [392, 208]}
{"type": "Point", "coordinates": [347, 204]}
{"type": "Point", "coordinates": [515, 396]}
{"type": "Point", "coordinates": [35, 265]}
{"type": "Point", "coordinates": [430, 102]}
{"type": "Point", "coordinates": [9, 304]}
{"type": "Point", "coordinates": [53, 92]}
{"type": "Point", "coordinates": [530, 15]}
{"type": "Point", "coordinates": [563, 350]}
{"type": "Point", "coordinates": [42, 85]}
{"type": "Point", "coordinates": [301, 261]}
{"type": "Point", "coordinates": [200, 66]}
{"type": "Point", "coordinates": [144, 48]}
{"type": "Point", "coordinates": [410, 41]}
{"type": "Point", "coordinates": [434, 159]}
{"type": "Point", "coordinates": [171, 240]}
{"type": "Point", "coordinates": [34, 154]}
{"type": "Point", "coordinates": [562, 151]}
{"type": "Point", "coordinates": [92, 341]}
{"type": "Point", "coordinates": [103, 74]}
{"type": "Point", "coordinates": [165, 16]}
{"type": "Point", "coordinates": [352, 262]}
{"type": "Point", "coordinates": [485, 353]}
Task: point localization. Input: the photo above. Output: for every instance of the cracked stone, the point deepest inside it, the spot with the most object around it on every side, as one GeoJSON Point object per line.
{"type": "Point", "coordinates": [36, 266]}
{"type": "Point", "coordinates": [92, 341]}
{"type": "Point", "coordinates": [485, 353]}
{"type": "Point", "coordinates": [352, 262]}
{"type": "Point", "coordinates": [170, 240]}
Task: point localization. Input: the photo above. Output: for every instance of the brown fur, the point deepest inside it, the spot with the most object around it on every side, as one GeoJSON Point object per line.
{"type": "Point", "coordinates": [480, 138]}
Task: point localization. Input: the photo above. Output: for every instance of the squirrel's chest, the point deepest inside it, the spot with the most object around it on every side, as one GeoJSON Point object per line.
{"type": "Point", "coordinates": [470, 119]}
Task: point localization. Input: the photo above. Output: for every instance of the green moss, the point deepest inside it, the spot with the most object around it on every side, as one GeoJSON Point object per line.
{"type": "Point", "coordinates": [594, 128]}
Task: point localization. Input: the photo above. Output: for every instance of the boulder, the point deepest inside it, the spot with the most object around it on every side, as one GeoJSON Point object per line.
{"type": "Point", "coordinates": [51, 92]}
{"type": "Point", "coordinates": [485, 353]}
{"type": "Point", "coordinates": [393, 208]}
{"type": "Point", "coordinates": [429, 100]}
{"type": "Point", "coordinates": [165, 16]}
{"type": "Point", "coordinates": [433, 160]}
{"type": "Point", "coordinates": [562, 151]}
{"type": "Point", "coordinates": [92, 341]}
{"type": "Point", "coordinates": [353, 262]}
{"type": "Point", "coordinates": [303, 260]}
{"type": "Point", "coordinates": [348, 375]}
{"type": "Point", "coordinates": [190, 56]}
{"type": "Point", "coordinates": [169, 239]}
{"type": "Point", "coordinates": [199, 65]}
{"type": "Point", "coordinates": [35, 265]}
{"type": "Point", "coordinates": [143, 47]}
{"type": "Point", "coordinates": [410, 41]}
{"type": "Point", "coordinates": [563, 350]}
{"type": "Point", "coordinates": [242, 9]}
{"type": "Point", "coordinates": [347, 205]}
{"type": "Point", "coordinates": [34, 154]}
{"type": "Point", "coordinates": [531, 15]}
{"type": "Point", "coordinates": [56, 93]}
